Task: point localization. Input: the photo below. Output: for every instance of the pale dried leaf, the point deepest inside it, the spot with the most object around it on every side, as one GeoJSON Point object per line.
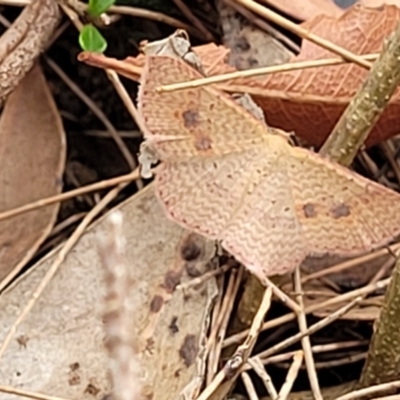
{"type": "Point", "coordinates": [59, 348]}
{"type": "Point", "coordinates": [32, 156]}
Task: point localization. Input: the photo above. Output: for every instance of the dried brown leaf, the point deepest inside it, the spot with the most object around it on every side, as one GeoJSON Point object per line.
{"type": "Point", "coordinates": [311, 101]}
{"type": "Point", "coordinates": [32, 156]}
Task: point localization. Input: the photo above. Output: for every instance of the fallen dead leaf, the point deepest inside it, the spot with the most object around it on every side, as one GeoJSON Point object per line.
{"type": "Point", "coordinates": [59, 348]}
{"type": "Point", "coordinates": [32, 156]}
{"type": "Point", "coordinates": [310, 102]}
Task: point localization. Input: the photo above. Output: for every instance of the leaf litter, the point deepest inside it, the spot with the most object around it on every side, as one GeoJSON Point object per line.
{"type": "Point", "coordinates": [354, 294]}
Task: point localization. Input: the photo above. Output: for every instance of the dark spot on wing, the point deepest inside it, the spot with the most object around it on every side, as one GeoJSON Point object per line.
{"type": "Point", "coordinates": [202, 143]}
{"type": "Point", "coordinates": [191, 118]}
{"type": "Point", "coordinates": [342, 210]}
{"type": "Point", "coordinates": [309, 210]}
{"type": "Point", "coordinates": [189, 349]}
{"type": "Point", "coordinates": [156, 304]}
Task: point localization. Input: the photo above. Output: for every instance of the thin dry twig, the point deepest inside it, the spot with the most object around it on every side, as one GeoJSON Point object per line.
{"type": "Point", "coordinates": [384, 387]}
{"type": "Point", "coordinates": [205, 277]}
{"type": "Point", "coordinates": [210, 80]}
{"type": "Point", "coordinates": [234, 365]}
{"type": "Point", "coordinates": [315, 349]}
{"type": "Point", "coordinates": [155, 16]}
{"type": "Point", "coordinates": [127, 10]}
{"type": "Point", "coordinates": [96, 111]}
{"type": "Point", "coordinates": [71, 194]}
{"type": "Point", "coordinates": [228, 311]}
{"type": "Point", "coordinates": [281, 295]}
{"type": "Point", "coordinates": [305, 341]}
{"type": "Point", "coordinates": [28, 394]}
{"type": "Point", "coordinates": [256, 364]}
{"type": "Point", "coordinates": [226, 301]}
{"type": "Point", "coordinates": [248, 384]}
{"type": "Point", "coordinates": [351, 263]}
{"type": "Point", "coordinates": [212, 361]}
{"type": "Point", "coordinates": [186, 11]}
{"type": "Point", "coordinates": [314, 307]}
{"type": "Point", "coordinates": [291, 376]}
{"type": "Point", "coordinates": [312, 329]}
{"type": "Point", "coordinates": [390, 156]}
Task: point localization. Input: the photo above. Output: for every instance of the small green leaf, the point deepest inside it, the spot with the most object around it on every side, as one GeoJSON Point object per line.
{"type": "Point", "coordinates": [98, 7]}
{"type": "Point", "coordinates": [91, 39]}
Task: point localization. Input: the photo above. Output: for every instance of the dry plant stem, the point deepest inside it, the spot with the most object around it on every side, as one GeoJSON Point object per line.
{"type": "Point", "coordinates": [222, 312]}
{"type": "Point", "coordinates": [342, 361]}
{"type": "Point", "coordinates": [315, 307]}
{"type": "Point", "coordinates": [248, 384]}
{"type": "Point", "coordinates": [389, 154]}
{"type": "Point", "coordinates": [315, 349]}
{"type": "Point", "coordinates": [351, 263]}
{"type": "Point", "coordinates": [126, 99]}
{"type": "Point", "coordinates": [205, 277]}
{"type": "Point", "coordinates": [71, 194]}
{"type": "Point", "coordinates": [234, 365]}
{"type": "Point", "coordinates": [303, 33]}
{"type": "Point", "coordinates": [227, 314]}
{"type": "Point", "coordinates": [154, 16]}
{"type": "Point", "coordinates": [212, 387]}
{"type": "Point", "coordinates": [367, 105]}
{"type": "Point", "coordinates": [246, 348]}
{"type": "Point", "coordinates": [256, 364]}
{"type": "Point", "coordinates": [282, 296]}
{"type": "Point", "coordinates": [358, 394]}
{"type": "Point", "coordinates": [69, 244]}
{"type": "Point", "coordinates": [312, 329]}
{"type": "Point", "coordinates": [80, 7]}
{"type": "Point", "coordinates": [212, 361]}
{"type": "Point", "coordinates": [96, 111]}
{"type": "Point", "coordinates": [260, 71]}
{"type": "Point", "coordinates": [291, 376]}
{"type": "Point", "coordinates": [194, 20]}
{"type": "Point", "coordinates": [383, 362]}
{"type": "Point", "coordinates": [305, 341]}
{"type": "Point", "coordinates": [28, 394]}
{"type": "Point", "coordinates": [118, 315]}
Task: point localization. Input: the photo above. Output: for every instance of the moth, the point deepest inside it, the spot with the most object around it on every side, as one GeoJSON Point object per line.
{"type": "Point", "coordinates": [223, 174]}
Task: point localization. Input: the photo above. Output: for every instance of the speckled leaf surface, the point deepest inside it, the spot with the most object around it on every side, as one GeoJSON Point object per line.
{"type": "Point", "coordinates": [58, 350]}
